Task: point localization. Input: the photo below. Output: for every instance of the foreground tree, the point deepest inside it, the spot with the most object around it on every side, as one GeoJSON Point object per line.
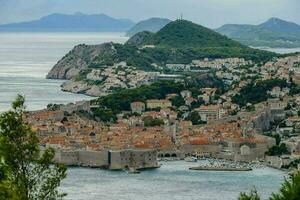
{"type": "Point", "coordinates": [290, 190]}
{"type": "Point", "coordinates": [252, 196]}
{"type": "Point", "coordinates": [25, 172]}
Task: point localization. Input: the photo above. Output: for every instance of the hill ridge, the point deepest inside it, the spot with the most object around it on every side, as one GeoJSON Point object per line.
{"type": "Point", "coordinates": [71, 22]}
{"type": "Point", "coordinates": [274, 32]}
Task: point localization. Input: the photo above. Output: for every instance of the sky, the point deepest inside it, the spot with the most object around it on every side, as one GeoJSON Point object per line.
{"type": "Point", "coordinates": [210, 13]}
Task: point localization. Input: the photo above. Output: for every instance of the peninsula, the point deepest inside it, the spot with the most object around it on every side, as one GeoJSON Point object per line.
{"type": "Point", "coordinates": [183, 91]}
{"type": "Point", "coordinates": [98, 70]}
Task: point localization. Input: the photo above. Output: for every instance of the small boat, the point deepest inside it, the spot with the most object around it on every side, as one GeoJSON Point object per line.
{"type": "Point", "coordinates": [132, 170]}
{"type": "Point", "coordinates": [191, 159]}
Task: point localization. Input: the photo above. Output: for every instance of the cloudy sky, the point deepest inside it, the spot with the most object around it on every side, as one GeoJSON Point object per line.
{"type": "Point", "coordinates": [211, 13]}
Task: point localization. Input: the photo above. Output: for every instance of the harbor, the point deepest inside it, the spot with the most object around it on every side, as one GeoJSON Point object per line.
{"type": "Point", "coordinates": [173, 180]}
{"type": "Point", "coordinates": [220, 169]}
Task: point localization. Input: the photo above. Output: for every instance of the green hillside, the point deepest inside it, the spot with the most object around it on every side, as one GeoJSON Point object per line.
{"type": "Point", "coordinates": [185, 34]}
{"type": "Point", "coordinates": [273, 33]}
{"type": "Point", "coordinates": [179, 42]}
{"type": "Point", "coordinates": [140, 38]}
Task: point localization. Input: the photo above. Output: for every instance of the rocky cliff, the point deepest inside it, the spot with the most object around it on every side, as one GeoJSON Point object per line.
{"type": "Point", "coordinates": [79, 58]}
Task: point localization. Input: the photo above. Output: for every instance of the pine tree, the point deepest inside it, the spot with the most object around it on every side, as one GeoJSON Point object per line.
{"type": "Point", "coordinates": [290, 189]}
{"type": "Point", "coordinates": [25, 172]}
{"type": "Point", "coordinates": [252, 196]}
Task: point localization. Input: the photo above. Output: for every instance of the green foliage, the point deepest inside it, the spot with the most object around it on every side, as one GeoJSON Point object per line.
{"type": "Point", "coordinates": [178, 101]}
{"type": "Point", "coordinates": [278, 150]}
{"type": "Point", "coordinates": [53, 107]}
{"type": "Point", "coordinates": [252, 196]}
{"type": "Point", "coordinates": [105, 115]}
{"type": "Point", "coordinates": [276, 136]}
{"type": "Point", "coordinates": [195, 118]}
{"type": "Point", "coordinates": [178, 42]}
{"type": "Point", "coordinates": [182, 33]}
{"type": "Point", "coordinates": [260, 36]}
{"type": "Point", "coordinates": [26, 173]}
{"type": "Point", "coordinates": [294, 89]}
{"type": "Point", "coordinates": [82, 74]}
{"type": "Point", "coordinates": [257, 92]}
{"type": "Point", "coordinates": [290, 189]}
{"type": "Point", "coordinates": [138, 38]}
{"type": "Point", "coordinates": [121, 100]}
{"type": "Point", "coordinates": [150, 25]}
{"type": "Point", "coordinates": [151, 122]}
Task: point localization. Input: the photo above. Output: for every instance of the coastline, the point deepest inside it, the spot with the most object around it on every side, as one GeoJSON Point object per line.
{"type": "Point", "coordinates": [224, 169]}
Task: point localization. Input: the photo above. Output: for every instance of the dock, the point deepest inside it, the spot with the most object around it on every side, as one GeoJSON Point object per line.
{"type": "Point", "coordinates": [231, 169]}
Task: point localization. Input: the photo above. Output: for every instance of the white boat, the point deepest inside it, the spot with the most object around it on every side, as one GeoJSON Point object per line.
{"type": "Point", "coordinates": [191, 159]}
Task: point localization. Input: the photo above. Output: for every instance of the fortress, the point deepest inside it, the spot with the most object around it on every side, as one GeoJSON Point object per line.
{"type": "Point", "coordinates": [114, 160]}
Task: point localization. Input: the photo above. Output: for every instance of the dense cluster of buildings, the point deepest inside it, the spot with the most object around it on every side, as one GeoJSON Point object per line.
{"type": "Point", "coordinates": [102, 81]}
{"type": "Point", "coordinates": [209, 64]}
{"type": "Point", "coordinates": [226, 130]}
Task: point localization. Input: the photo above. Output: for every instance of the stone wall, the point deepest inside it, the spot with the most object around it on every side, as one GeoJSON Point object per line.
{"type": "Point", "coordinates": [108, 159]}
{"type": "Point", "coordinates": [93, 158]}
{"type": "Point", "coordinates": [212, 149]}
{"type": "Point", "coordinates": [81, 158]}
{"type": "Point", "coordinates": [138, 159]}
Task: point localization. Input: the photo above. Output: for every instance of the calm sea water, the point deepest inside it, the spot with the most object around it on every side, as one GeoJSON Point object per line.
{"type": "Point", "coordinates": [173, 181]}
{"type": "Point", "coordinates": [280, 50]}
{"type": "Point", "coordinates": [25, 59]}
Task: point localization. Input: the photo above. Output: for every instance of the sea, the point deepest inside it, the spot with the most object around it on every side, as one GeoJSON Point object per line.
{"type": "Point", "coordinates": [172, 181]}
{"type": "Point", "coordinates": [25, 59]}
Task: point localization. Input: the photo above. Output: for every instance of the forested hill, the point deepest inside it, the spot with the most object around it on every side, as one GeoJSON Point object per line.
{"type": "Point", "coordinates": [179, 42]}
{"type": "Point", "coordinates": [272, 33]}
{"type": "Point", "coordinates": [182, 34]}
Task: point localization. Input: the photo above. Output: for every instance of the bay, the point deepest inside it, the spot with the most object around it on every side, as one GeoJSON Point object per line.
{"type": "Point", "coordinates": [173, 181]}
{"type": "Point", "coordinates": [26, 58]}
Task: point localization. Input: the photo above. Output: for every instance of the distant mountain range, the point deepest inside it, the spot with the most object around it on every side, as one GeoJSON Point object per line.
{"type": "Point", "coordinates": [152, 25]}
{"type": "Point", "coordinates": [75, 22]}
{"type": "Point", "coordinates": [273, 33]}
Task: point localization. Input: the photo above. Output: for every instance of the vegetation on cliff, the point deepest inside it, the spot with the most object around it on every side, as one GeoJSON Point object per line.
{"type": "Point", "coordinates": [256, 92]}
{"type": "Point", "coordinates": [179, 42]}
{"type": "Point", "coordinates": [113, 104]}
{"type": "Point", "coordinates": [186, 34]}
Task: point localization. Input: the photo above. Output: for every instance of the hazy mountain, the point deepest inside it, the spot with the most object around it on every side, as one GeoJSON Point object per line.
{"type": "Point", "coordinates": [152, 25]}
{"type": "Point", "coordinates": [76, 22]}
{"type": "Point", "coordinates": [273, 33]}
{"type": "Point", "coordinates": [281, 26]}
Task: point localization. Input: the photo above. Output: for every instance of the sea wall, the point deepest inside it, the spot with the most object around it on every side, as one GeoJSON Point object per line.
{"type": "Point", "coordinates": [108, 159]}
